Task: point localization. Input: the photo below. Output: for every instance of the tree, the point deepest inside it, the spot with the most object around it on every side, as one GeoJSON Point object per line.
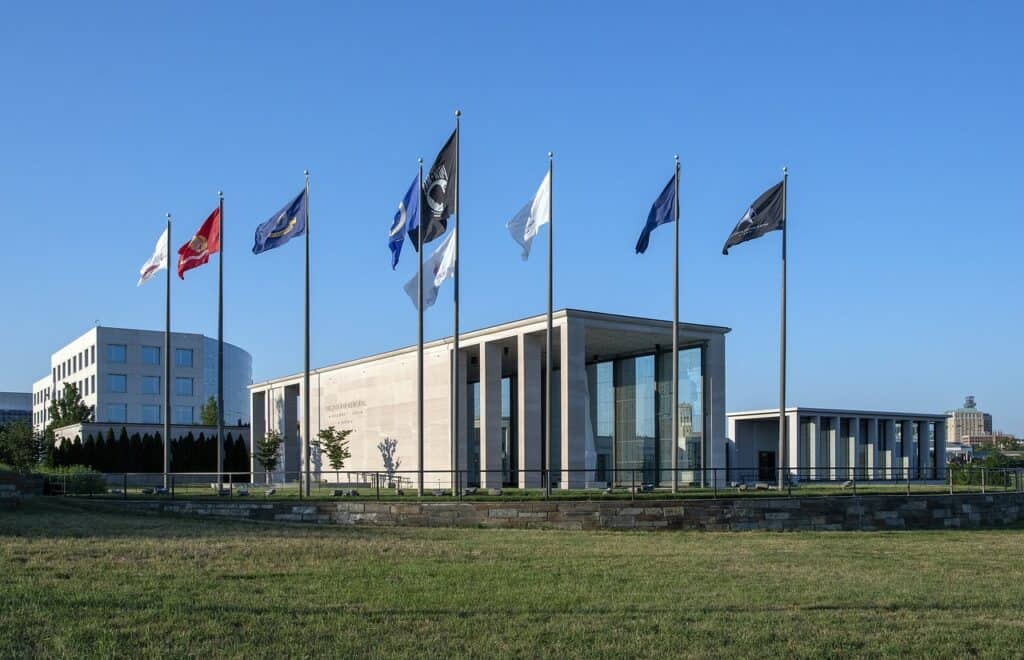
{"type": "Point", "coordinates": [333, 443]}
{"type": "Point", "coordinates": [68, 408]}
{"type": "Point", "coordinates": [387, 448]}
{"type": "Point", "coordinates": [208, 413]}
{"type": "Point", "coordinates": [19, 446]}
{"type": "Point", "coordinates": [266, 451]}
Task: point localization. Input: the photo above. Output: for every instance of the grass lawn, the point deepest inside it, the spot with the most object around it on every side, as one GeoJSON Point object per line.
{"type": "Point", "coordinates": [76, 583]}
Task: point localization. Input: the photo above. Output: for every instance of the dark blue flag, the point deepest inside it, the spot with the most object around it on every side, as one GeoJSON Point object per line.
{"type": "Point", "coordinates": [408, 214]}
{"type": "Point", "coordinates": [285, 225]}
{"type": "Point", "coordinates": [662, 211]}
{"type": "Point", "coordinates": [767, 213]}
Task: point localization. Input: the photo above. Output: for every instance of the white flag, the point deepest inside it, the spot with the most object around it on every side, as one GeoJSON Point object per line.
{"type": "Point", "coordinates": [439, 267]}
{"type": "Point", "coordinates": [525, 225]}
{"type": "Point", "coordinates": [157, 261]}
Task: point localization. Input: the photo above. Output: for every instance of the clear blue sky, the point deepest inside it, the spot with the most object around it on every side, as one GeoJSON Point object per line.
{"type": "Point", "coordinates": [900, 123]}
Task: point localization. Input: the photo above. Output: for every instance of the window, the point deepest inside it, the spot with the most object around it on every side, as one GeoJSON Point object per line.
{"type": "Point", "coordinates": [150, 414]}
{"type": "Point", "coordinates": [182, 414]}
{"type": "Point", "coordinates": [93, 350]}
{"type": "Point", "coordinates": [85, 387]}
{"type": "Point", "coordinates": [117, 383]}
{"type": "Point", "coordinates": [93, 379]}
{"type": "Point", "coordinates": [117, 412]}
{"type": "Point", "coordinates": [117, 353]}
{"type": "Point", "coordinates": [183, 386]}
{"type": "Point", "coordinates": [150, 355]}
{"type": "Point", "coordinates": [183, 357]}
{"type": "Point", "coordinates": [150, 385]}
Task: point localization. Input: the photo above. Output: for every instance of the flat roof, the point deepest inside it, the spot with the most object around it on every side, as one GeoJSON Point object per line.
{"type": "Point", "coordinates": [639, 321]}
{"type": "Point", "coordinates": [831, 412]}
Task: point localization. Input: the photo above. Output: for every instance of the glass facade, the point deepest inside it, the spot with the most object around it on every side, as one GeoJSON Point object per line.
{"type": "Point", "coordinates": [150, 355]}
{"type": "Point", "coordinates": [631, 414]}
{"type": "Point", "coordinates": [150, 385]}
{"type": "Point", "coordinates": [117, 353]}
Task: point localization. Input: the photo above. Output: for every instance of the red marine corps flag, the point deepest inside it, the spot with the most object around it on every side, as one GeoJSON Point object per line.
{"type": "Point", "coordinates": [198, 249]}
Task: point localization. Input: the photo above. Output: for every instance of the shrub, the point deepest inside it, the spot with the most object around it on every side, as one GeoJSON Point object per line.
{"type": "Point", "coordinates": [75, 479]}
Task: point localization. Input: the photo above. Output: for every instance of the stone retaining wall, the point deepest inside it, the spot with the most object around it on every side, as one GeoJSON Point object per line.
{"type": "Point", "coordinates": [873, 512]}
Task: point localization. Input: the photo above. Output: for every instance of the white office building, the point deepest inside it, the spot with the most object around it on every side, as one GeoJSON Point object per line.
{"type": "Point", "coordinates": [120, 373]}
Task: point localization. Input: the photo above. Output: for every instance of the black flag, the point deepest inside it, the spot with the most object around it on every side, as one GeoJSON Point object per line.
{"type": "Point", "coordinates": [438, 195]}
{"type": "Point", "coordinates": [767, 213]}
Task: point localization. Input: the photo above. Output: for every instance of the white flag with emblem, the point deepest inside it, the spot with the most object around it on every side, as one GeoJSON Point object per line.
{"type": "Point", "coordinates": [439, 267]}
{"type": "Point", "coordinates": [157, 262]}
{"type": "Point", "coordinates": [537, 212]}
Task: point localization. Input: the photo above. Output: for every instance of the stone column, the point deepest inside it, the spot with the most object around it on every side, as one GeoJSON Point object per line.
{"type": "Point", "coordinates": [906, 450]}
{"type": "Point", "coordinates": [924, 448]}
{"type": "Point", "coordinates": [940, 450]}
{"type": "Point", "coordinates": [530, 419]}
{"type": "Point", "coordinates": [490, 415]}
{"type": "Point", "coordinates": [853, 450]}
{"type": "Point", "coordinates": [814, 452]}
{"type": "Point", "coordinates": [573, 376]}
{"type": "Point", "coordinates": [873, 453]}
{"type": "Point", "coordinates": [835, 453]}
{"type": "Point", "coordinates": [892, 451]}
{"type": "Point", "coordinates": [257, 429]}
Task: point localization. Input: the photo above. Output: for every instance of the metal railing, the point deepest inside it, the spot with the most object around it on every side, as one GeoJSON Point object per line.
{"type": "Point", "coordinates": [532, 484]}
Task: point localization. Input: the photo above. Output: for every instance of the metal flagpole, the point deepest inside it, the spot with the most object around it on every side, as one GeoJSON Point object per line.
{"type": "Point", "coordinates": [782, 340]}
{"type": "Point", "coordinates": [167, 361]}
{"type": "Point", "coordinates": [419, 345]}
{"type": "Point", "coordinates": [675, 343]}
{"type": "Point", "coordinates": [305, 377]}
{"type": "Point", "coordinates": [547, 361]}
{"type": "Point", "coordinates": [220, 342]}
{"type": "Point", "coordinates": [455, 333]}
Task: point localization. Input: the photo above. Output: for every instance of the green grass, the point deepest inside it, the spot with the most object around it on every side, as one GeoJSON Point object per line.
{"type": "Point", "coordinates": [80, 583]}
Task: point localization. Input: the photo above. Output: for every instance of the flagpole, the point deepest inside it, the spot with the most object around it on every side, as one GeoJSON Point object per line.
{"type": "Point", "coordinates": [455, 333]}
{"type": "Point", "coordinates": [782, 339]}
{"type": "Point", "coordinates": [305, 377]}
{"type": "Point", "coordinates": [220, 340]}
{"type": "Point", "coordinates": [675, 342]}
{"type": "Point", "coordinates": [167, 361]}
{"type": "Point", "coordinates": [547, 361]}
{"type": "Point", "coordinates": [419, 345]}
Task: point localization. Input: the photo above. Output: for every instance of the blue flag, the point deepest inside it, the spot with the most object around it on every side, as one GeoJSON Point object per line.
{"type": "Point", "coordinates": [285, 225]}
{"type": "Point", "coordinates": [407, 215]}
{"type": "Point", "coordinates": [662, 212]}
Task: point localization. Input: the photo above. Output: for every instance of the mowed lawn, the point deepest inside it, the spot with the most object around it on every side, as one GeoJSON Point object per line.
{"type": "Point", "coordinates": [79, 583]}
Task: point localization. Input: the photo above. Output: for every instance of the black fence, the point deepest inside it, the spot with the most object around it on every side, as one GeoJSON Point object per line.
{"type": "Point", "coordinates": [540, 484]}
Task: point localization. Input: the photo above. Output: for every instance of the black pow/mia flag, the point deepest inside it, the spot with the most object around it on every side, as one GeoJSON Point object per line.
{"type": "Point", "coordinates": [767, 213]}
{"type": "Point", "coordinates": [439, 188]}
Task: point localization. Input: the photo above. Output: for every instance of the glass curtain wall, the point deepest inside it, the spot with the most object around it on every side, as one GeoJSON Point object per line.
{"type": "Point", "coordinates": [631, 414]}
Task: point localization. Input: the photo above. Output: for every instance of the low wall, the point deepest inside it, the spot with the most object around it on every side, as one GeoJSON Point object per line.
{"type": "Point", "coordinates": [873, 512]}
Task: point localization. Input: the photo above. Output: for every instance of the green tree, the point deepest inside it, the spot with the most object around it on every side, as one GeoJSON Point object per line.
{"type": "Point", "coordinates": [68, 408]}
{"type": "Point", "coordinates": [266, 452]}
{"type": "Point", "coordinates": [19, 446]}
{"type": "Point", "coordinates": [334, 443]}
{"type": "Point", "coordinates": [208, 413]}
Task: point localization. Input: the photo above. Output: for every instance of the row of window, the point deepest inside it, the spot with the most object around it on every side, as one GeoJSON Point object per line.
{"type": "Point", "coordinates": [150, 413]}
{"type": "Point", "coordinates": [75, 363]}
{"type": "Point", "coordinates": [118, 384]}
{"type": "Point", "coordinates": [118, 354]}
{"type": "Point", "coordinates": [41, 397]}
